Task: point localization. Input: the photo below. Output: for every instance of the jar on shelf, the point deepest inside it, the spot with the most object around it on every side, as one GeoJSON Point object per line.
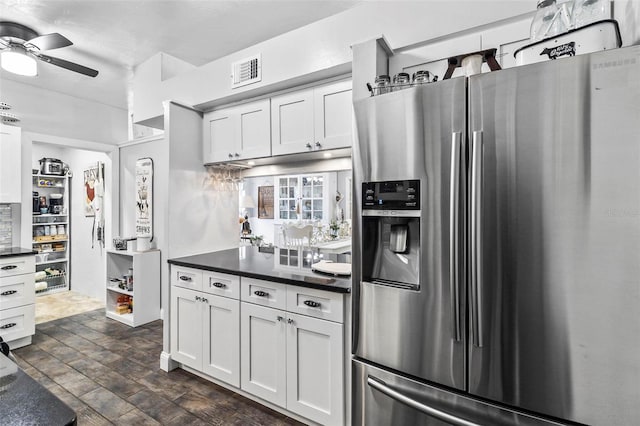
{"type": "Point", "coordinates": [382, 84]}
{"type": "Point", "coordinates": [421, 77]}
{"type": "Point", "coordinates": [402, 80]}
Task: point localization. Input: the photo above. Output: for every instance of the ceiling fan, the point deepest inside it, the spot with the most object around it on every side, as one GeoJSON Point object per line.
{"type": "Point", "coordinates": [20, 46]}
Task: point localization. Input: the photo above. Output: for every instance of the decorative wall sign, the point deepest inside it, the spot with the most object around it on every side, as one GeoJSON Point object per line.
{"type": "Point", "coordinates": [144, 197]}
{"type": "Point", "coordinates": [265, 202]}
{"type": "Point", "coordinates": [93, 186]}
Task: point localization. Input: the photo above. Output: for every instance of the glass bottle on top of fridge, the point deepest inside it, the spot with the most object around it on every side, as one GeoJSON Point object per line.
{"type": "Point", "coordinates": [586, 12]}
{"type": "Point", "coordinates": [548, 21]}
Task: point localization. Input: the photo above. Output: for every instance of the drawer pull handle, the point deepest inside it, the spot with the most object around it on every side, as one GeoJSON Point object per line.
{"type": "Point", "coordinates": [198, 298]}
{"type": "Point", "coordinates": [289, 321]}
{"type": "Point", "coordinates": [9, 267]}
{"type": "Point", "coordinates": [312, 303]}
{"type": "Point", "coordinates": [8, 292]}
{"type": "Point", "coordinates": [219, 285]}
{"type": "Point", "coordinates": [261, 293]}
{"type": "Point", "coordinates": [9, 325]}
{"type": "Point", "coordinates": [184, 278]}
{"type": "Point", "coordinates": [205, 300]}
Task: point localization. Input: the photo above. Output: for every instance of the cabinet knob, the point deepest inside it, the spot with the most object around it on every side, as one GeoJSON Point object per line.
{"type": "Point", "coordinates": [198, 298]}
{"type": "Point", "coordinates": [230, 155]}
{"type": "Point", "coordinates": [312, 303]}
{"type": "Point", "coordinates": [9, 325]}
{"type": "Point", "coordinates": [280, 318]}
{"type": "Point", "coordinates": [261, 293]}
{"type": "Point", "coordinates": [204, 300]}
{"type": "Point", "coordinates": [289, 321]}
{"type": "Point", "coordinates": [219, 285]}
{"type": "Point", "coordinates": [8, 267]}
{"type": "Point", "coordinates": [318, 144]}
{"type": "Point", "coordinates": [8, 292]}
{"type": "Point", "coordinates": [237, 155]}
{"type": "Point", "coordinates": [308, 145]}
{"type": "Point", "coordinates": [184, 278]}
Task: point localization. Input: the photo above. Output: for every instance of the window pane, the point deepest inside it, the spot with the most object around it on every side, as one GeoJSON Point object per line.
{"type": "Point", "coordinates": [283, 205]}
{"type": "Point", "coordinates": [306, 215]}
{"type": "Point", "coordinates": [317, 191]}
{"type": "Point", "coordinates": [292, 205]}
{"type": "Point", "coordinates": [284, 214]}
{"type": "Point", "coordinates": [293, 182]}
{"type": "Point", "coordinates": [306, 192]}
{"type": "Point", "coordinates": [306, 181]}
{"type": "Point", "coordinates": [306, 205]}
{"type": "Point", "coordinates": [317, 215]}
{"type": "Point", "coordinates": [317, 205]}
{"type": "Point", "coordinates": [293, 215]}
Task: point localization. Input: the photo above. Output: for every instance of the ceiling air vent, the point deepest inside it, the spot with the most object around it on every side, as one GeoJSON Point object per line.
{"type": "Point", "coordinates": [246, 71]}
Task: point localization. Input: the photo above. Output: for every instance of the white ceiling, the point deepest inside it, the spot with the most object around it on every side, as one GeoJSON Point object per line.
{"type": "Point", "coordinates": [113, 36]}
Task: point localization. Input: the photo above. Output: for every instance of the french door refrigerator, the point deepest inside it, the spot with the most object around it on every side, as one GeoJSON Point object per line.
{"type": "Point", "coordinates": [497, 248]}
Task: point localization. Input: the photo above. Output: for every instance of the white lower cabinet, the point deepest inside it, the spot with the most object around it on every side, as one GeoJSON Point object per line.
{"type": "Point", "coordinates": [283, 344]}
{"type": "Point", "coordinates": [17, 300]}
{"type": "Point", "coordinates": [294, 361]}
{"type": "Point", "coordinates": [205, 333]}
{"type": "Point", "coordinates": [263, 352]}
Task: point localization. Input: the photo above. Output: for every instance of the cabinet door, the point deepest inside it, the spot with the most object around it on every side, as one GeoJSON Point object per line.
{"type": "Point", "coordinates": [220, 134]}
{"type": "Point", "coordinates": [254, 132]}
{"type": "Point", "coordinates": [263, 355]}
{"type": "Point", "coordinates": [186, 327]}
{"type": "Point", "coordinates": [292, 123]}
{"type": "Point", "coordinates": [221, 342]}
{"type": "Point", "coordinates": [333, 114]}
{"type": "Point", "coordinates": [315, 369]}
{"type": "Point", "coordinates": [10, 164]}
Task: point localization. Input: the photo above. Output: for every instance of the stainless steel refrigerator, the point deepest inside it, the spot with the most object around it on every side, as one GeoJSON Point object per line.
{"type": "Point", "coordinates": [497, 248]}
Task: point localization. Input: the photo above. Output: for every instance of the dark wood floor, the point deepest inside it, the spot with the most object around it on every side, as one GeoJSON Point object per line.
{"type": "Point", "coordinates": [109, 374]}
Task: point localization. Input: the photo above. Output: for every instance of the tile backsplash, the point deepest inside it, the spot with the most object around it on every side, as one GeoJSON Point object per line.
{"type": "Point", "coordinates": [6, 226]}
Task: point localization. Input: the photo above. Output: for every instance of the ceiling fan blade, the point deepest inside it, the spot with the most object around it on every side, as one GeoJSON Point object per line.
{"type": "Point", "coordinates": [67, 65]}
{"type": "Point", "coordinates": [49, 42]}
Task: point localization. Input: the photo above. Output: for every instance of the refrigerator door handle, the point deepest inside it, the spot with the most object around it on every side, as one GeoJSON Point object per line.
{"type": "Point", "coordinates": [382, 387]}
{"type": "Point", "coordinates": [454, 232]}
{"type": "Point", "coordinates": [476, 238]}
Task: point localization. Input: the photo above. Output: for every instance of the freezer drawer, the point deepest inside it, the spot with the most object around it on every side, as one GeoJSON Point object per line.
{"type": "Point", "coordinates": [386, 399]}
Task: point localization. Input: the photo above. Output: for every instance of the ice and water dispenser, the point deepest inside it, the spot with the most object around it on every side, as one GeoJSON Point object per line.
{"type": "Point", "coordinates": [391, 233]}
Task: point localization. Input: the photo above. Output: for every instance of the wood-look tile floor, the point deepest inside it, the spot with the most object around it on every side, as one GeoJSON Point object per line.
{"type": "Point", "coordinates": [109, 374]}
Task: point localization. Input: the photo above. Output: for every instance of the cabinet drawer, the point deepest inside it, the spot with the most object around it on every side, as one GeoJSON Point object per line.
{"type": "Point", "coordinates": [18, 290]}
{"type": "Point", "coordinates": [16, 323]}
{"type": "Point", "coordinates": [186, 277]}
{"type": "Point", "coordinates": [264, 293]}
{"type": "Point", "coordinates": [221, 284]}
{"type": "Point", "coordinates": [316, 303]}
{"type": "Point", "coordinates": [17, 265]}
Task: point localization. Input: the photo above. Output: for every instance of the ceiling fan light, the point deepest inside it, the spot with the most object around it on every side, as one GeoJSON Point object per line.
{"type": "Point", "coordinates": [18, 63]}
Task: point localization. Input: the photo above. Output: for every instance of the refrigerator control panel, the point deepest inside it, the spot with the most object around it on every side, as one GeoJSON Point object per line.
{"type": "Point", "coordinates": [391, 195]}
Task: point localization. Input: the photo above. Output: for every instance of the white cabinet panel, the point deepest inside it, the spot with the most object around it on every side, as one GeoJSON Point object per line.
{"type": "Point", "coordinates": [262, 292]}
{"type": "Point", "coordinates": [316, 303]}
{"type": "Point", "coordinates": [263, 364]}
{"type": "Point", "coordinates": [315, 369]}
{"type": "Point", "coordinates": [254, 140]}
{"type": "Point", "coordinates": [10, 164]}
{"type": "Point", "coordinates": [186, 327]}
{"type": "Point", "coordinates": [16, 265]}
{"type": "Point", "coordinates": [221, 284]}
{"type": "Point", "coordinates": [237, 133]}
{"type": "Point", "coordinates": [292, 122]}
{"type": "Point", "coordinates": [17, 290]}
{"type": "Point", "coordinates": [220, 135]}
{"type": "Point", "coordinates": [333, 114]}
{"type": "Point", "coordinates": [221, 343]}
{"type": "Point", "coordinates": [186, 277]}
{"type": "Point", "coordinates": [17, 323]}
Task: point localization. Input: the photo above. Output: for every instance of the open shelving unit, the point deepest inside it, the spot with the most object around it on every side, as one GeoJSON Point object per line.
{"type": "Point", "coordinates": [54, 244]}
{"type": "Point", "coordinates": [146, 285]}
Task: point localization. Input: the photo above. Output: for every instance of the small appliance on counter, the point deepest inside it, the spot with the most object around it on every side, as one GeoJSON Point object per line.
{"type": "Point", "coordinates": [51, 166]}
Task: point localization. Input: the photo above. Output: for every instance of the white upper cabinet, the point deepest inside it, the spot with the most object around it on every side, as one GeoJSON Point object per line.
{"type": "Point", "coordinates": [333, 115]}
{"type": "Point", "coordinates": [10, 164]}
{"type": "Point", "coordinates": [237, 133]}
{"type": "Point", "coordinates": [313, 119]}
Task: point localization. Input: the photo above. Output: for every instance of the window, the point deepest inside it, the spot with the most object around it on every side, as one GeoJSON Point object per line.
{"type": "Point", "coordinates": [302, 197]}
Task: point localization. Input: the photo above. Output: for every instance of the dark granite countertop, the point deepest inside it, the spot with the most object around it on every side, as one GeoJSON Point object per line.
{"type": "Point", "coordinates": [271, 264]}
{"type": "Point", "coordinates": [16, 251]}
{"type": "Point", "coordinates": [23, 401]}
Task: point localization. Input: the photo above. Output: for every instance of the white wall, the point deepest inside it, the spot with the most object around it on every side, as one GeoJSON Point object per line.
{"type": "Point", "coordinates": [53, 113]}
{"type": "Point", "coordinates": [86, 262]}
{"type": "Point", "coordinates": [316, 51]}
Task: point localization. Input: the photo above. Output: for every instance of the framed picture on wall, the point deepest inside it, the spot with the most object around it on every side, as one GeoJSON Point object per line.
{"type": "Point", "coordinates": [265, 202]}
